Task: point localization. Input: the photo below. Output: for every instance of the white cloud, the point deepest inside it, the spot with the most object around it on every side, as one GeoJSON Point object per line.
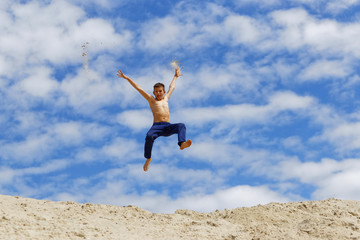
{"type": "Point", "coordinates": [27, 121]}
{"type": "Point", "coordinates": [328, 37]}
{"type": "Point", "coordinates": [221, 154]}
{"type": "Point", "coordinates": [292, 21]}
{"type": "Point", "coordinates": [163, 33]}
{"type": "Point", "coordinates": [54, 32]}
{"type": "Point", "coordinates": [87, 91]}
{"type": "Point", "coordinates": [334, 37]}
{"type": "Point", "coordinates": [340, 179]}
{"type": "Point", "coordinates": [199, 190]}
{"type": "Point", "coordinates": [260, 3]}
{"type": "Point", "coordinates": [285, 70]}
{"type": "Point", "coordinates": [4, 5]}
{"type": "Point", "coordinates": [233, 81]}
{"type": "Point", "coordinates": [337, 6]}
{"type": "Point", "coordinates": [293, 143]}
{"type": "Point", "coordinates": [193, 28]}
{"type": "Point", "coordinates": [289, 101]}
{"type": "Point", "coordinates": [137, 120]}
{"type": "Point", "coordinates": [328, 6]}
{"type": "Point", "coordinates": [230, 158]}
{"type": "Point", "coordinates": [199, 26]}
{"type": "Point", "coordinates": [123, 150]}
{"type": "Point", "coordinates": [88, 154]}
{"type": "Point", "coordinates": [345, 137]}
{"type": "Point", "coordinates": [68, 133]}
{"type": "Point", "coordinates": [307, 172]}
{"type": "Point", "coordinates": [249, 113]}
{"type": "Point", "coordinates": [242, 29]}
{"type": "Point", "coordinates": [7, 174]}
{"type": "Point", "coordinates": [238, 196]}
{"type": "Point", "coordinates": [339, 129]}
{"type": "Point", "coordinates": [39, 83]}
{"type": "Point", "coordinates": [100, 4]}
{"type": "Point", "coordinates": [165, 174]}
{"type": "Point", "coordinates": [33, 148]}
{"type": "Point", "coordinates": [344, 184]}
{"type": "Point", "coordinates": [40, 139]}
{"type": "Point", "coordinates": [4, 66]}
{"type": "Point", "coordinates": [234, 197]}
{"type": "Point", "coordinates": [51, 166]}
{"type": "Point", "coordinates": [36, 33]}
{"type": "Point", "coordinates": [326, 69]}
{"type": "Point", "coordinates": [74, 133]}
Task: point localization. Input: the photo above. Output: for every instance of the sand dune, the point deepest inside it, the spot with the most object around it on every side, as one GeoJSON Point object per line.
{"type": "Point", "coordinates": [24, 218]}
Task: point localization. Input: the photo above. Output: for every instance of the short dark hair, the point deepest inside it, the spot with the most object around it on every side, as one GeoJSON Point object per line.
{"type": "Point", "coordinates": [159, 85]}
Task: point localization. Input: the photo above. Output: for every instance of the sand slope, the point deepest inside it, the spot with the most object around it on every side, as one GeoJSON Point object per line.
{"type": "Point", "coordinates": [23, 218]}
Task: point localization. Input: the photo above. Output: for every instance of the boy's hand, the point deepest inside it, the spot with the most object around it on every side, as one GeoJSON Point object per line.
{"type": "Point", "coordinates": [120, 74]}
{"type": "Point", "coordinates": [178, 72]}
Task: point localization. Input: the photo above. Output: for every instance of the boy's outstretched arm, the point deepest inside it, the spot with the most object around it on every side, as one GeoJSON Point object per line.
{"type": "Point", "coordinates": [173, 82]}
{"type": "Point", "coordinates": [135, 85]}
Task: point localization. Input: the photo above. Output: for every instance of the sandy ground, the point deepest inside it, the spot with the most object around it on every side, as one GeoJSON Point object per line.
{"type": "Point", "coordinates": [24, 218]}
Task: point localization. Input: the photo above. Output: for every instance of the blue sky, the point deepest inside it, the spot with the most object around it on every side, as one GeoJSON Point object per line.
{"type": "Point", "coordinates": [269, 95]}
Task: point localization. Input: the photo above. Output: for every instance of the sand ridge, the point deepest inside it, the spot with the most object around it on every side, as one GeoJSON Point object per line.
{"type": "Point", "coordinates": [25, 218]}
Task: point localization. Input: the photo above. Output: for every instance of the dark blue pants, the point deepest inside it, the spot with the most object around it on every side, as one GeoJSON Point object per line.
{"type": "Point", "coordinates": [164, 129]}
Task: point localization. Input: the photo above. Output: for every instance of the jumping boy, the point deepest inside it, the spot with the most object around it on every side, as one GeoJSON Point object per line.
{"type": "Point", "coordinates": [160, 110]}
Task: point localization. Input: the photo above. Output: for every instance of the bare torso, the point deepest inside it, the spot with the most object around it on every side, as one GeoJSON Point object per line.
{"type": "Point", "coordinates": [160, 110]}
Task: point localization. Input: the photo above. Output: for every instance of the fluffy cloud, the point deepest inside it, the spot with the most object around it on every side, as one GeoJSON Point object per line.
{"type": "Point", "coordinates": [87, 91]}
{"type": "Point", "coordinates": [8, 174]}
{"type": "Point", "coordinates": [136, 119]}
{"type": "Point", "coordinates": [346, 136]}
{"type": "Point", "coordinates": [221, 199]}
{"type": "Point", "coordinates": [231, 198]}
{"type": "Point", "coordinates": [260, 3]}
{"type": "Point", "coordinates": [247, 113]}
{"type": "Point", "coordinates": [37, 33]}
{"type": "Point", "coordinates": [112, 188]}
{"type": "Point", "coordinates": [33, 148]}
{"type": "Point", "coordinates": [242, 29]}
{"type": "Point", "coordinates": [123, 150]}
{"type": "Point", "coordinates": [337, 6]}
{"type": "Point", "coordinates": [39, 144]}
{"type": "Point", "coordinates": [330, 177]}
{"type": "Point", "coordinates": [39, 83]}
{"type": "Point", "coordinates": [326, 69]}
{"type": "Point", "coordinates": [299, 30]}
{"type": "Point", "coordinates": [199, 29]}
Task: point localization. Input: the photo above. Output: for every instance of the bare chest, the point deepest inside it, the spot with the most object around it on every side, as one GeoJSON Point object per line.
{"type": "Point", "coordinates": [159, 106]}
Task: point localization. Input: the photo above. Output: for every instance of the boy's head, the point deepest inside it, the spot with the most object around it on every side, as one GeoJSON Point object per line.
{"type": "Point", "coordinates": [159, 91]}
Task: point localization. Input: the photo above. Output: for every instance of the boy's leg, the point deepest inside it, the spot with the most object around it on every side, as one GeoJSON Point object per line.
{"type": "Point", "coordinates": [154, 132]}
{"type": "Point", "coordinates": [164, 129]}
{"type": "Point", "coordinates": [186, 144]}
{"type": "Point", "coordinates": [181, 133]}
{"type": "Point", "coordinates": [180, 129]}
{"type": "Point", "coordinates": [146, 165]}
{"type": "Point", "coordinates": [147, 151]}
{"type": "Point", "coordinates": [149, 141]}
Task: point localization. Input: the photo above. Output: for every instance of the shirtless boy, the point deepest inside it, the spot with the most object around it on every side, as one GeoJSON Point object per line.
{"type": "Point", "coordinates": [160, 110]}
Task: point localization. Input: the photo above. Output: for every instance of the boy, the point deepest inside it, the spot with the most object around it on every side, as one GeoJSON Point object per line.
{"type": "Point", "coordinates": [160, 109]}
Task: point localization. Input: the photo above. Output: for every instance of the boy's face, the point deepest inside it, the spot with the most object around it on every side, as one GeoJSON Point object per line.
{"type": "Point", "coordinates": [159, 93]}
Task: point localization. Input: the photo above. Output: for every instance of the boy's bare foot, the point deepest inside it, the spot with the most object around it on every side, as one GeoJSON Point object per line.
{"type": "Point", "coordinates": [146, 165]}
{"type": "Point", "coordinates": [185, 144]}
